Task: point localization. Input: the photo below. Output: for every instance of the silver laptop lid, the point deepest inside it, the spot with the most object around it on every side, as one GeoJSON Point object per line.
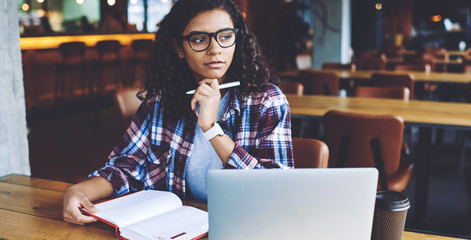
{"type": "Point", "coordinates": [333, 203]}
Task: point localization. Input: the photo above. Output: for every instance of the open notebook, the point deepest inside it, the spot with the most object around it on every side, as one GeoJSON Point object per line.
{"type": "Point", "coordinates": [291, 204]}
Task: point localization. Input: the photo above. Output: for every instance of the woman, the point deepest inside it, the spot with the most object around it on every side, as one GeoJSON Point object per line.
{"type": "Point", "coordinates": [176, 137]}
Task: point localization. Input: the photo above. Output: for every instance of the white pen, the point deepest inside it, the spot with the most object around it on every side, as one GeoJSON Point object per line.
{"type": "Point", "coordinates": [222, 86]}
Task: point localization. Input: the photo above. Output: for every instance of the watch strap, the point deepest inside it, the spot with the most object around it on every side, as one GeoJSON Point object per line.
{"type": "Point", "coordinates": [213, 132]}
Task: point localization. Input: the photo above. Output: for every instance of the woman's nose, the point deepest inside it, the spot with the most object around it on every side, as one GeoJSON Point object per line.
{"type": "Point", "coordinates": [214, 47]}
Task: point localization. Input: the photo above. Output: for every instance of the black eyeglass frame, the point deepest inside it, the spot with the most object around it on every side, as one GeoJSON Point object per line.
{"type": "Point", "coordinates": [211, 35]}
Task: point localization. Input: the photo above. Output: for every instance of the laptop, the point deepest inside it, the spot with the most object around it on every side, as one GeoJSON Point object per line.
{"type": "Point", "coordinates": [322, 203]}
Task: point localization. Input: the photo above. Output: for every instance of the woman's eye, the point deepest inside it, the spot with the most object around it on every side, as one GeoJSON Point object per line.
{"type": "Point", "coordinates": [198, 39]}
{"type": "Point", "coordinates": [225, 37]}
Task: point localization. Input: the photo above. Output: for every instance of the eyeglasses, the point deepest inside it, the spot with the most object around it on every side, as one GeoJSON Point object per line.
{"type": "Point", "coordinates": [200, 41]}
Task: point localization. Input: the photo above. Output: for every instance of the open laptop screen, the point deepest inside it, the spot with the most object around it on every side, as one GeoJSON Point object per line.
{"type": "Point", "coordinates": [291, 204]}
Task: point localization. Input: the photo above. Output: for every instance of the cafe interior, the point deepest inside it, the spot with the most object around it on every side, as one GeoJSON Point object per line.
{"type": "Point", "coordinates": [405, 61]}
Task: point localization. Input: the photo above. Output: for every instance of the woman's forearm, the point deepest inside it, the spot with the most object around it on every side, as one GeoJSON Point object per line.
{"type": "Point", "coordinates": [223, 145]}
{"type": "Point", "coordinates": [94, 189]}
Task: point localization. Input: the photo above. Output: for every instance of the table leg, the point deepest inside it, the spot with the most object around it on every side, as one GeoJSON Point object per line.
{"type": "Point", "coordinates": [422, 172]}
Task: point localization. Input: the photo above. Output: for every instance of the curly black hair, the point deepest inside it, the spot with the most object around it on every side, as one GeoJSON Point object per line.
{"type": "Point", "coordinates": [170, 77]}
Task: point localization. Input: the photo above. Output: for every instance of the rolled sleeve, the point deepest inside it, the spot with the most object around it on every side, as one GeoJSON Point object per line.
{"type": "Point", "coordinates": [126, 168]}
{"type": "Point", "coordinates": [272, 146]}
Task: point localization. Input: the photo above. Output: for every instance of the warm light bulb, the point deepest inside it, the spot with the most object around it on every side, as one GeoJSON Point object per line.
{"type": "Point", "coordinates": [41, 13]}
{"type": "Point", "coordinates": [80, 2]}
{"type": "Point", "coordinates": [436, 18]}
{"type": "Point", "coordinates": [25, 7]}
{"type": "Point", "coordinates": [133, 1]}
{"type": "Point", "coordinates": [111, 2]}
{"type": "Point", "coordinates": [40, 1]}
{"type": "Point", "coordinates": [379, 6]}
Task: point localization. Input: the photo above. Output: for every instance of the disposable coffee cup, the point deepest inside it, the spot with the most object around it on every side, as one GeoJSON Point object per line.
{"type": "Point", "coordinates": [390, 215]}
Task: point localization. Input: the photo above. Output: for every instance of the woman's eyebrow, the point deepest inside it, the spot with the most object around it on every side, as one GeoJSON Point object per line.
{"type": "Point", "coordinates": [196, 32]}
{"type": "Point", "coordinates": [193, 32]}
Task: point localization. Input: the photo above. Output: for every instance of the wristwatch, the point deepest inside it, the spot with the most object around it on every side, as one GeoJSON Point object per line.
{"type": "Point", "coordinates": [213, 132]}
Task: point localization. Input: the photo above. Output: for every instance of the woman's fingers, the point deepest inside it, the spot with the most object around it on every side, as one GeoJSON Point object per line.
{"type": "Point", "coordinates": [88, 205]}
{"type": "Point", "coordinates": [207, 89]}
{"type": "Point", "coordinates": [73, 202]}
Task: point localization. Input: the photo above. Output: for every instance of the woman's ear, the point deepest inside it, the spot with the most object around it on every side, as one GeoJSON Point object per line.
{"type": "Point", "coordinates": [178, 50]}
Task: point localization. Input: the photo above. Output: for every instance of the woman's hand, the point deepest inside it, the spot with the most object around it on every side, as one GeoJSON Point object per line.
{"type": "Point", "coordinates": [208, 96]}
{"type": "Point", "coordinates": [73, 201]}
{"type": "Point", "coordinates": [81, 195]}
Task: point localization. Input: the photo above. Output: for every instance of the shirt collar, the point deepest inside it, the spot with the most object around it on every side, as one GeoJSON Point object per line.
{"type": "Point", "coordinates": [234, 104]}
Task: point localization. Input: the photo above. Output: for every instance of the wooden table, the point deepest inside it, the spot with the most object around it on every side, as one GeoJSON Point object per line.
{"type": "Point", "coordinates": [425, 114]}
{"type": "Point", "coordinates": [31, 208]}
{"type": "Point", "coordinates": [417, 112]}
{"type": "Point", "coordinates": [432, 77]}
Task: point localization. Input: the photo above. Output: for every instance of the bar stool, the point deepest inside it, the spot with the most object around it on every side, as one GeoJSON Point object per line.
{"type": "Point", "coordinates": [141, 52]}
{"type": "Point", "coordinates": [109, 59]}
{"type": "Point", "coordinates": [73, 65]}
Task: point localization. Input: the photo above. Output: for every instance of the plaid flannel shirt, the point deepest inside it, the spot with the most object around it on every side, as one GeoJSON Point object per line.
{"type": "Point", "coordinates": [154, 151]}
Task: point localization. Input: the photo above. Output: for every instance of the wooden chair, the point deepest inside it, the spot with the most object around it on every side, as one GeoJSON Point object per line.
{"type": "Point", "coordinates": [292, 88]}
{"type": "Point", "coordinates": [347, 85]}
{"type": "Point", "coordinates": [393, 79]}
{"type": "Point", "coordinates": [383, 92]}
{"type": "Point", "coordinates": [73, 66]}
{"type": "Point", "coordinates": [365, 140]}
{"type": "Point", "coordinates": [127, 103]}
{"type": "Point", "coordinates": [310, 153]}
{"type": "Point", "coordinates": [141, 49]}
{"type": "Point", "coordinates": [319, 82]}
{"type": "Point", "coordinates": [371, 62]}
{"type": "Point", "coordinates": [393, 93]}
{"type": "Point", "coordinates": [109, 59]}
{"type": "Point", "coordinates": [392, 51]}
{"type": "Point", "coordinates": [422, 90]}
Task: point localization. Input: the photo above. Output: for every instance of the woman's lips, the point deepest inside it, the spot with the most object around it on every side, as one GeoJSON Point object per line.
{"type": "Point", "coordinates": [215, 64]}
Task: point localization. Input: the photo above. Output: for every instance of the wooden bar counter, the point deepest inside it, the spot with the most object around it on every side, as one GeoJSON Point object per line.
{"type": "Point", "coordinates": [31, 208]}
{"type": "Point", "coordinates": [52, 42]}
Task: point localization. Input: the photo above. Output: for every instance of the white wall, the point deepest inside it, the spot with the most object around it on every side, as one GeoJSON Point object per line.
{"type": "Point", "coordinates": [13, 137]}
{"type": "Point", "coordinates": [329, 45]}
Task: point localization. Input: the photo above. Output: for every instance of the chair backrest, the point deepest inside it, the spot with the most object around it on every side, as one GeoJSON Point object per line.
{"type": "Point", "coordinates": [108, 47]}
{"type": "Point", "coordinates": [319, 82]}
{"type": "Point", "coordinates": [292, 88]}
{"type": "Point", "coordinates": [355, 139]}
{"type": "Point", "coordinates": [141, 48]}
{"type": "Point", "coordinates": [71, 51]}
{"type": "Point", "coordinates": [336, 66]}
{"type": "Point", "coordinates": [310, 153]}
{"type": "Point", "coordinates": [392, 51]}
{"type": "Point", "coordinates": [141, 45]}
{"type": "Point", "coordinates": [396, 92]}
{"type": "Point", "coordinates": [394, 79]}
{"type": "Point", "coordinates": [371, 62]}
{"type": "Point", "coordinates": [127, 103]}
